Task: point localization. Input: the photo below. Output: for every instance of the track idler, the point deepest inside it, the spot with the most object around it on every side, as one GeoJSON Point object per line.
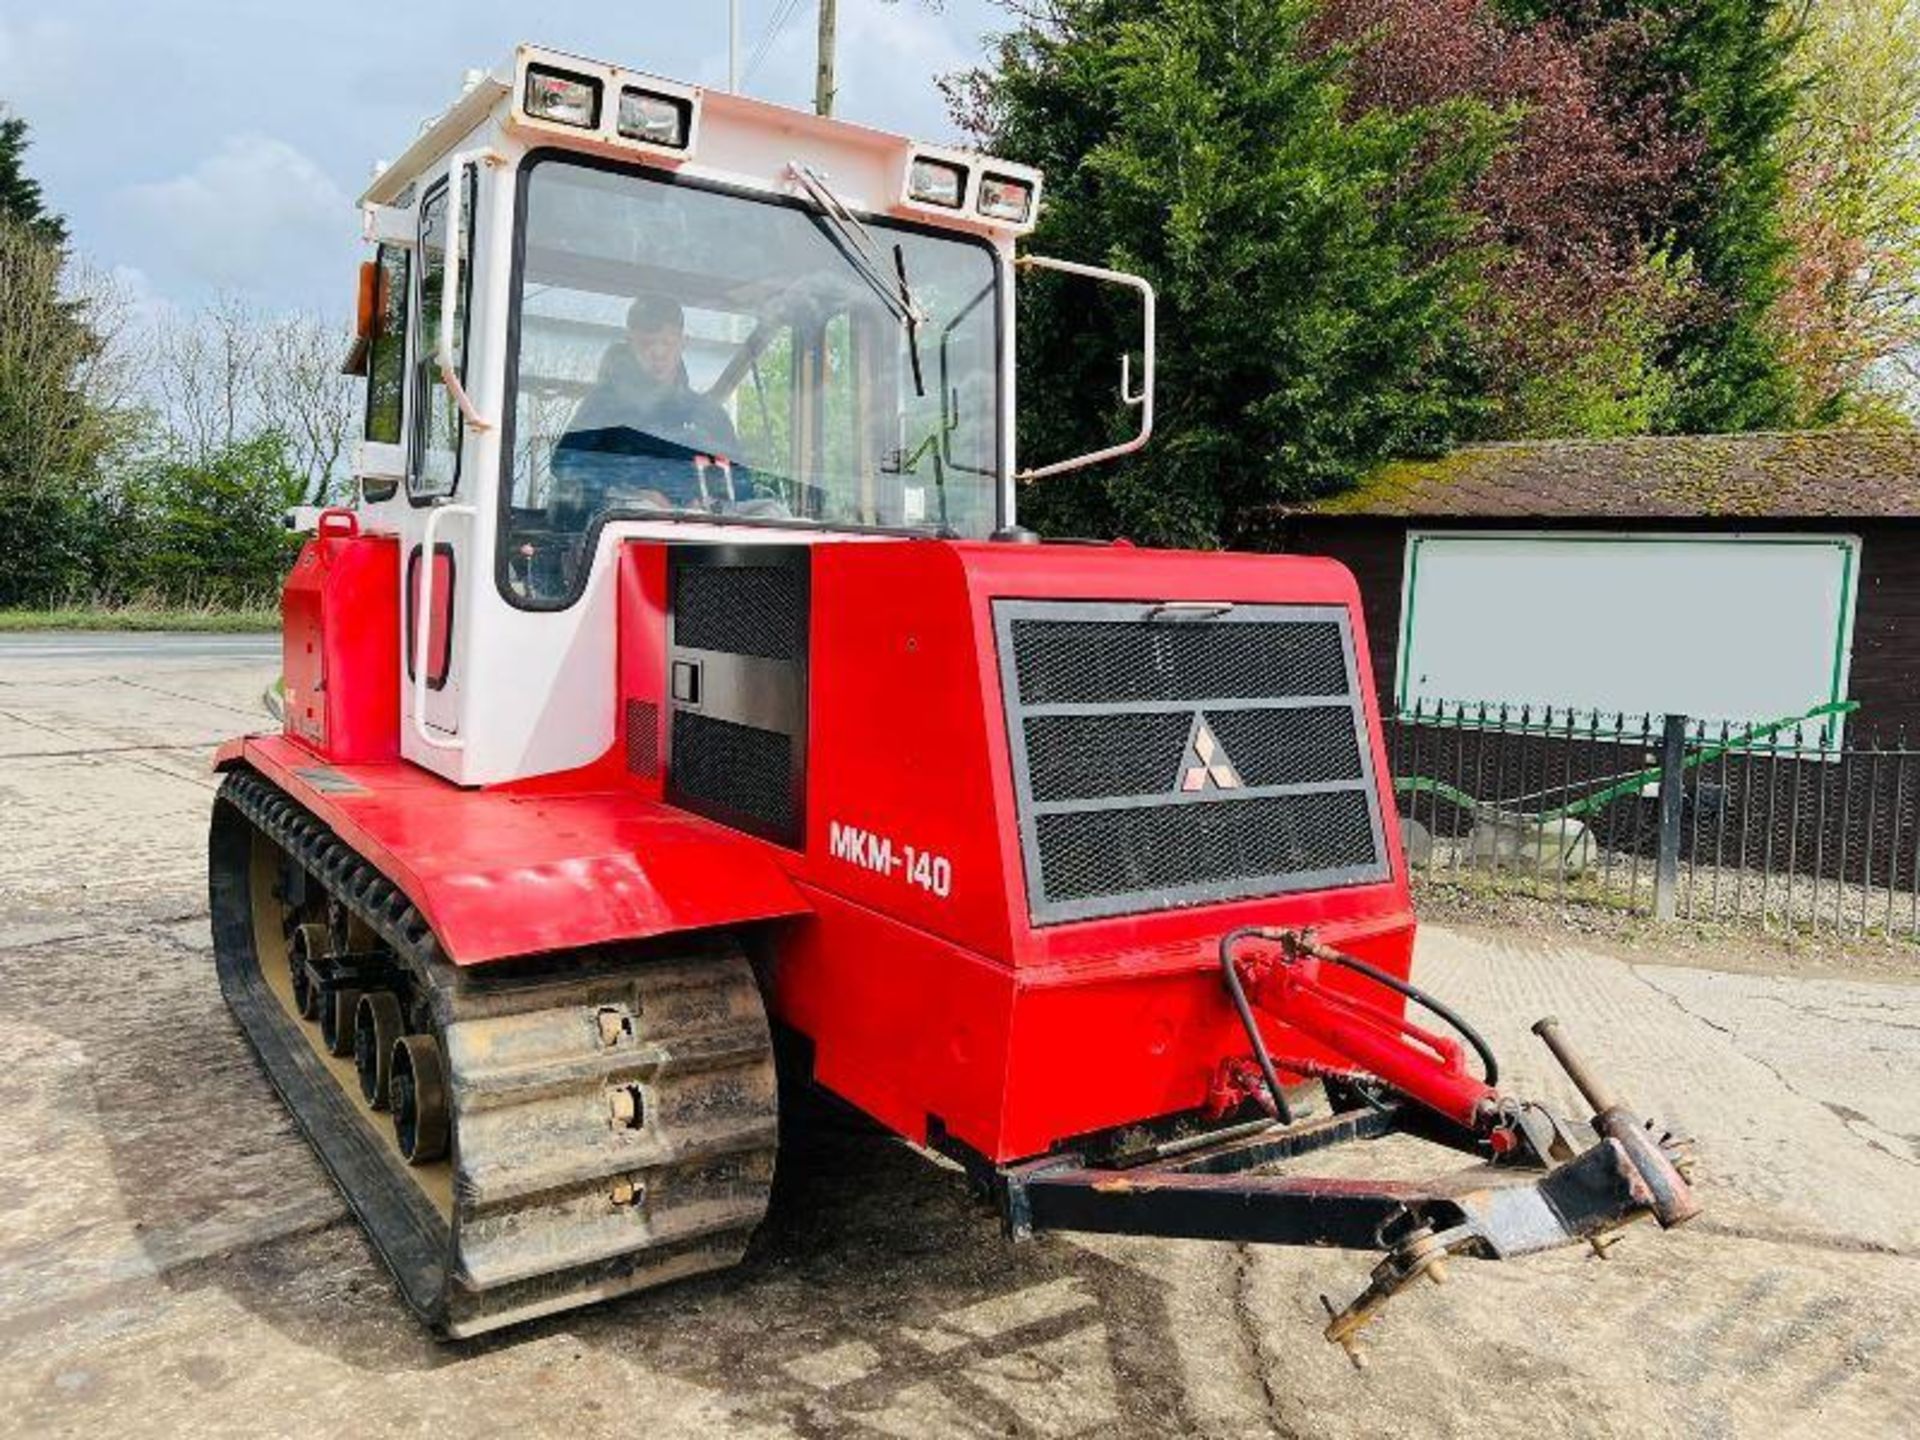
{"type": "Point", "coordinates": [400, 1072]}
{"type": "Point", "coordinates": [345, 995]}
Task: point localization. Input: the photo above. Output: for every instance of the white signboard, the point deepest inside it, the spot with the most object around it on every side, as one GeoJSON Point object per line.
{"type": "Point", "coordinates": [1738, 628]}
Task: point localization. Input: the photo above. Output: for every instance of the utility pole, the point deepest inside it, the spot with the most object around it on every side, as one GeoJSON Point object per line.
{"type": "Point", "coordinates": [733, 46]}
{"type": "Point", "coordinates": [823, 75]}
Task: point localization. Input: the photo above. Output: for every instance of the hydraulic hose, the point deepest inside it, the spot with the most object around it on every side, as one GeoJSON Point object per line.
{"type": "Point", "coordinates": [1295, 940]}
{"type": "Point", "coordinates": [1489, 1066]}
{"type": "Point", "coordinates": [1283, 1112]}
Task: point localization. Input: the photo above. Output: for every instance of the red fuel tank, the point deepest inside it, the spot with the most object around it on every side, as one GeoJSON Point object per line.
{"type": "Point", "coordinates": [340, 629]}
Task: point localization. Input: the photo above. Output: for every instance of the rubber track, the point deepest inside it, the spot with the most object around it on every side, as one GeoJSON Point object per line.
{"type": "Point", "coordinates": [556, 1203]}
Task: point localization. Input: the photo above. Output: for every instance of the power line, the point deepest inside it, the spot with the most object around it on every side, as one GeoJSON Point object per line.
{"type": "Point", "coordinates": [775, 25]}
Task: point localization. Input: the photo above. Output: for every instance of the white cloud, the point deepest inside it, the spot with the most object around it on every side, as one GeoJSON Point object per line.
{"type": "Point", "coordinates": [251, 216]}
{"type": "Point", "coordinates": [146, 309]}
{"type": "Point", "coordinates": [43, 67]}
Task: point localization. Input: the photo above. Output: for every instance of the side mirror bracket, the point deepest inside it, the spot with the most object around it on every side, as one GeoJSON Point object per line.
{"type": "Point", "coordinates": [1140, 399]}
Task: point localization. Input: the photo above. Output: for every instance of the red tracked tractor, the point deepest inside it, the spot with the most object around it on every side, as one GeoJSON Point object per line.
{"type": "Point", "coordinates": [681, 683]}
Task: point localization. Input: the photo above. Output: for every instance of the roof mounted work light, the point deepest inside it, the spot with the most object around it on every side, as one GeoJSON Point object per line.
{"type": "Point", "coordinates": [937, 182]}
{"type": "Point", "coordinates": [656, 119]}
{"type": "Point", "coordinates": [1004, 198]}
{"type": "Point", "coordinates": [563, 98]}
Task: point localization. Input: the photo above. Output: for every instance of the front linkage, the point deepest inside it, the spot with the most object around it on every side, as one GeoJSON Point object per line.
{"type": "Point", "coordinates": [1537, 1189]}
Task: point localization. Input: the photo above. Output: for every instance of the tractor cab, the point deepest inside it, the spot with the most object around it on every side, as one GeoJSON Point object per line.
{"type": "Point", "coordinates": [606, 305]}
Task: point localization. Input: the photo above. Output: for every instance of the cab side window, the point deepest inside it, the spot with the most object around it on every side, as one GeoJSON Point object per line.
{"type": "Point", "coordinates": [434, 468]}
{"type": "Point", "coordinates": [386, 360]}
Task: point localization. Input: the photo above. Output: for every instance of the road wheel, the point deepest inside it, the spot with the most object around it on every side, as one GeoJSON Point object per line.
{"type": "Point", "coordinates": [376, 1025]}
{"type": "Point", "coordinates": [309, 944]}
{"type": "Point", "coordinates": [338, 1011]}
{"type": "Point", "coordinates": [418, 1092]}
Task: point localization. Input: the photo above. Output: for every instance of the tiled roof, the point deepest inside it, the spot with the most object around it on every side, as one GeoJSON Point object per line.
{"type": "Point", "coordinates": [1838, 473]}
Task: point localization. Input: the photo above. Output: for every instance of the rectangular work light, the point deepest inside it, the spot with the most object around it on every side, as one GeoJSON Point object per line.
{"type": "Point", "coordinates": [563, 98]}
{"type": "Point", "coordinates": [656, 119]}
{"type": "Point", "coordinates": [1004, 198]}
{"type": "Point", "coordinates": [936, 182]}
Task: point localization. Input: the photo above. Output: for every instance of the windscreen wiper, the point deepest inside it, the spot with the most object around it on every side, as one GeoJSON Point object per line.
{"type": "Point", "coordinates": [856, 242]}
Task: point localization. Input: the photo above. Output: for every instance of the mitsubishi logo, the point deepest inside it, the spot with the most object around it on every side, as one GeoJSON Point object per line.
{"type": "Point", "coordinates": [1205, 765]}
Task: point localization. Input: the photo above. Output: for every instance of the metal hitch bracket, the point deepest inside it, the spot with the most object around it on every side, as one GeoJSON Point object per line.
{"type": "Point", "coordinates": [1537, 1188]}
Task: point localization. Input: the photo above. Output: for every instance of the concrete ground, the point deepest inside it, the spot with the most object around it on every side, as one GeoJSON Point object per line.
{"type": "Point", "coordinates": [174, 1261]}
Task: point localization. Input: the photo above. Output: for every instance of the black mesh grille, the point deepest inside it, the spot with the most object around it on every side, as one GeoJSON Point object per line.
{"type": "Point", "coordinates": [1168, 761]}
{"type": "Point", "coordinates": [1308, 746]}
{"type": "Point", "coordinates": [1119, 753]}
{"type": "Point", "coordinates": [643, 738]}
{"type": "Point", "coordinates": [735, 767]}
{"type": "Point", "coordinates": [1080, 757]}
{"type": "Point", "coordinates": [1075, 662]}
{"type": "Point", "coordinates": [1221, 845]}
{"type": "Point", "coordinates": [741, 609]}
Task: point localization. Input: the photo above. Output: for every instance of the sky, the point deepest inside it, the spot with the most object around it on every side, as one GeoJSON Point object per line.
{"type": "Point", "coordinates": [197, 147]}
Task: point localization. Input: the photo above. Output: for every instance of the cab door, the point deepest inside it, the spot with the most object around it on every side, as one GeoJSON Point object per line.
{"type": "Point", "coordinates": [438, 532]}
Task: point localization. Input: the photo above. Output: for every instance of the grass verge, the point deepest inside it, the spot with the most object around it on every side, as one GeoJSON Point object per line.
{"type": "Point", "coordinates": [205, 619]}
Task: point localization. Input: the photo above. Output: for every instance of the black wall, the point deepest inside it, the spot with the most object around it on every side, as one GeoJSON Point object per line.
{"type": "Point", "coordinates": [1885, 676]}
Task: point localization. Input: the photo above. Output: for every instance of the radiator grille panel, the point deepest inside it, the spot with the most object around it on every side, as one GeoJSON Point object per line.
{"type": "Point", "coordinates": [1176, 761]}
{"type": "Point", "coordinates": [1079, 757]}
{"type": "Point", "coordinates": [1151, 849]}
{"type": "Point", "coordinates": [1307, 746]}
{"type": "Point", "coordinates": [735, 767]}
{"type": "Point", "coordinates": [1114, 662]}
{"type": "Point", "coordinates": [1116, 753]}
{"type": "Point", "coordinates": [737, 640]}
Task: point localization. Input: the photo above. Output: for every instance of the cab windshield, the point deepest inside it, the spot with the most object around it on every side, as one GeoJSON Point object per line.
{"type": "Point", "coordinates": [694, 352]}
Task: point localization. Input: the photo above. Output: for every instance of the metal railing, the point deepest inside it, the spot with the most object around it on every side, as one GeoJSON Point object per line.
{"type": "Point", "coordinates": [1783, 826]}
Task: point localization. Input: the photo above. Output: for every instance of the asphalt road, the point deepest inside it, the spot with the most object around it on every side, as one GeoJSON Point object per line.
{"type": "Point", "coordinates": [157, 646]}
{"type": "Point", "coordinates": [173, 1261]}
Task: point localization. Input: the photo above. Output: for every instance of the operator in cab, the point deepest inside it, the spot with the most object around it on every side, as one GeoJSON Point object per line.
{"type": "Point", "coordinates": [643, 437]}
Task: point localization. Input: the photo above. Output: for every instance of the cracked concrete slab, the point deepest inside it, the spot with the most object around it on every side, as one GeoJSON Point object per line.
{"type": "Point", "coordinates": [1853, 1048]}
{"type": "Point", "coordinates": [173, 1260]}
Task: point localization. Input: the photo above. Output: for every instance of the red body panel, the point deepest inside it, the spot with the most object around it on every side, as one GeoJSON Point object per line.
{"type": "Point", "coordinates": [1141, 1035]}
{"type": "Point", "coordinates": [921, 1006]}
{"type": "Point", "coordinates": [640, 728]}
{"type": "Point", "coordinates": [507, 872]}
{"type": "Point", "coordinates": [957, 1008]}
{"type": "Point", "coordinates": [905, 1025]}
{"type": "Point", "coordinates": [907, 733]}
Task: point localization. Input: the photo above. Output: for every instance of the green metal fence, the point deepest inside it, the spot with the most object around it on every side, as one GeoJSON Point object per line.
{"type": "Point", "coordinates": [1778, 825]}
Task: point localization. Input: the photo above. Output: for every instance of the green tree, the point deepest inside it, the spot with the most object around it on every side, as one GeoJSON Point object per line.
{"type": "Point", "coordinates": [212, 530]}
{"type": "Point", "coordinates": [20, 200]}
{"type": "Point", "coordinates": [1723, 70]}
{"type": "Point", "coordinates": [51, 434]}
{"type": "Point", "coordinates": [1728, 61]}
{"type": "Point", "coordinates": [1851, 315]}
{"type": "Point", "coordinates": [1315, 269]}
